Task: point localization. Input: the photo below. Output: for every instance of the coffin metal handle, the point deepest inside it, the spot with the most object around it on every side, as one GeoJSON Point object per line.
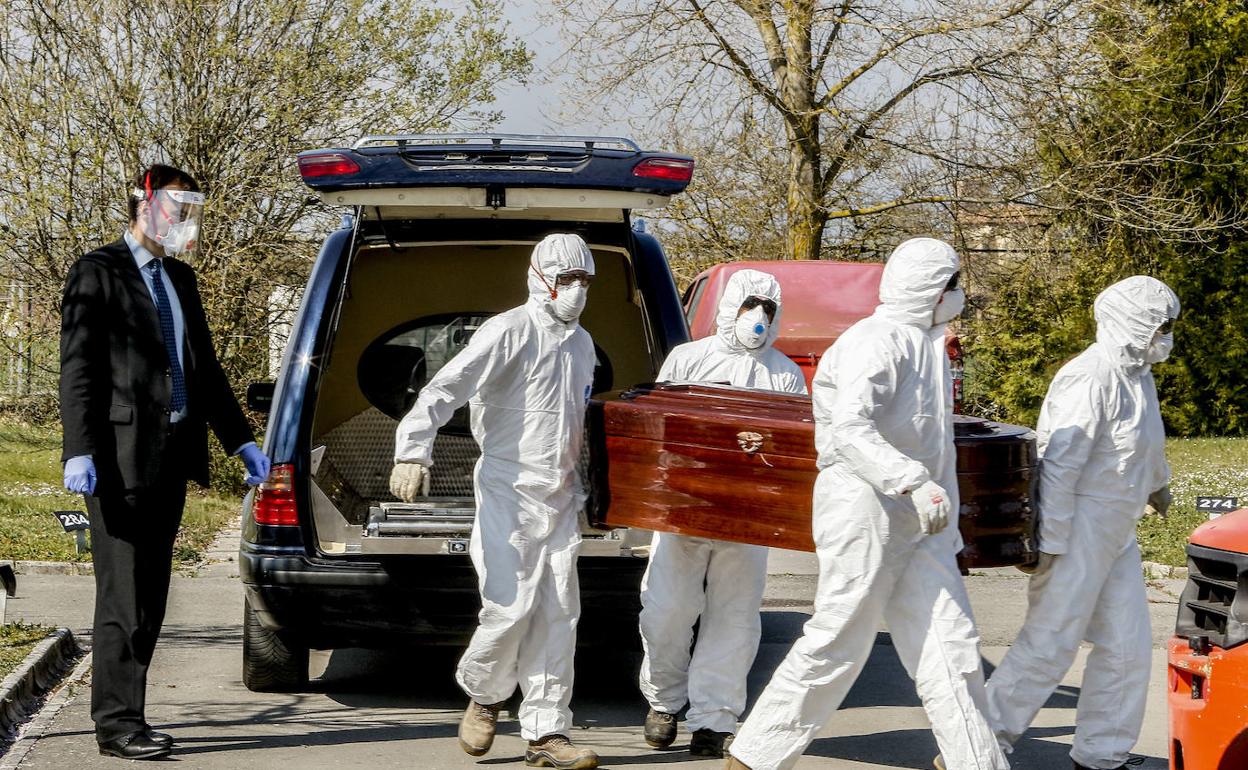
{"type": "Point", "coordinates": [749, 441]}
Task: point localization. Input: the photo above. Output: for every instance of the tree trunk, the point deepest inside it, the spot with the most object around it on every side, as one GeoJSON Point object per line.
{"type": "Point", "coordinates": [797, 90]}
{"type": "Point", "coordinates": [806, 218]}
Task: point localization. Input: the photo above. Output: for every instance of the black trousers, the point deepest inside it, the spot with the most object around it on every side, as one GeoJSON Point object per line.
{"type": "Point", "coordinates": [132, 533]}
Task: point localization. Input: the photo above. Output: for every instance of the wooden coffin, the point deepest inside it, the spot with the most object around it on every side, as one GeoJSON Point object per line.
{"type": "Point", "coordinates": [736, 464]}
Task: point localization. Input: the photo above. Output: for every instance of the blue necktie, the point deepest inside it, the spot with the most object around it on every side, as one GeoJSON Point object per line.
{"type": "Point", "coordinates": [178, 403]}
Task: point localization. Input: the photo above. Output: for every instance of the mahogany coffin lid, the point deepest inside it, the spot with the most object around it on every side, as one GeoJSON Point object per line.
{"type": "Point", "coordinates": [739, 464]}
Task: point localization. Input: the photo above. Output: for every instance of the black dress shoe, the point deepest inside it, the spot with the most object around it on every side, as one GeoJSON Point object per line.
{"type": "Point", "coordinates": [1133, 761]}
{"type": "Point", "coordinates": [165, 739]}
{"type": "Point", "coordinates": [135, 745]}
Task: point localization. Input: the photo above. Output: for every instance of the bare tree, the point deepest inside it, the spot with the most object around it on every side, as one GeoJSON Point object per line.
{"type": "Point", "coordinates": [868, 95]}
{"type": "Point", "coordinates": [230, 90]}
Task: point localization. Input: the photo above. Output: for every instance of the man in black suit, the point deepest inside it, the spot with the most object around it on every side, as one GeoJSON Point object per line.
{"type": "Point", "coordinates": [140, 384]}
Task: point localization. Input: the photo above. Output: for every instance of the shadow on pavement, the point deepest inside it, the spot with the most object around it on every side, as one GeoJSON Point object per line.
{"type": "Point", "coordinates": [426, 680]}
{"type": "Point", "coordinates": [315, 735]}
{"type": "Point", "coordinates": [410, 681]}
{"type": "Point", "coordinates": [200, 637]}
{"type": "Point", "coordinates": [606, 693]}
{"type": "Point", "coordinates": [915, 749]}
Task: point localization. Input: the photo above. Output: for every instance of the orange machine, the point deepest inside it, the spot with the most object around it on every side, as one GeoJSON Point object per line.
{"type": "Point", "coordinates": [1208, 671]}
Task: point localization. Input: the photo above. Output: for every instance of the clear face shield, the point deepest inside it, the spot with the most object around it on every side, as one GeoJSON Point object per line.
{"type": "Point", "coordinates": [171, 218]}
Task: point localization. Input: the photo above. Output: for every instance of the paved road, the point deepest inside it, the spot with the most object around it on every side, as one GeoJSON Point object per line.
{"type": "Point", "coordinates": [399, 709]}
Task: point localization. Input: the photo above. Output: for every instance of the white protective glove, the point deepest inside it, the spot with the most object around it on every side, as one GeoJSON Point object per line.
{"type": "Point", "coordinates": [931, 501]}
{"type": "Point", "coordinates": [409, 481]}
{"type": "Point", "coordinates": [1159, 502]}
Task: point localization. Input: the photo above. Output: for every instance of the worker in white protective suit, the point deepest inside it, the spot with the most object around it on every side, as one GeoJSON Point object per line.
{"type": "Point", "coordinates": [1102, 446]}
{"type": "Point", "coordinates": [885, 528]}
{"type": "Point", "coordinates": [526, 374]}
{"type": "Point", "coordinates": [718, 581]}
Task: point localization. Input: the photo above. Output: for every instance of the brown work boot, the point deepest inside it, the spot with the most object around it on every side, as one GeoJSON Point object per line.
{"type": "Point", "coordinates": [556, 750]}
{"type": "Point", "coordinates": [476, 729]}
{"type": "Point", "coordinates": [708, 743]}
{"type": "Point", "coordinates": [735, 764]}
{"type": "Point", "coordinates": [660, 729]}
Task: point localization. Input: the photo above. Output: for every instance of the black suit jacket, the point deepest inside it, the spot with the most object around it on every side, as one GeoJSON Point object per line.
{"type": "Point", "coordinates": [115, 381]}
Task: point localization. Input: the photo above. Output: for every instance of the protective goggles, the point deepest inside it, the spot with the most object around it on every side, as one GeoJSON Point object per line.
{"type": "Point", "coordinates": [1167, 327]}
{"type": "Point", "coordinates": [768, 306]}
{"type": "Point", "coordinates": [564, 280]}
{"type": "Point", "coordinates": [953, 281]}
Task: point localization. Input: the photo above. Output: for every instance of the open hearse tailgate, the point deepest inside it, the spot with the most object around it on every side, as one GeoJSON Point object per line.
{"type": "Point", "coordinates": [738, 464]}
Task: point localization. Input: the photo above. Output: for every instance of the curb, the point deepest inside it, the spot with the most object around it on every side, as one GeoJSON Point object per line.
{"type": "Point", "coordinates": [42, 670]}
{"type": "Point", "coordinates": [43, 719]}
{"type": "Point", "coordinates": [51, 567]}
{"type": "Point", "coordinates": [1153, 569]}
{"type": "Point", "coordinates": [87, 568]}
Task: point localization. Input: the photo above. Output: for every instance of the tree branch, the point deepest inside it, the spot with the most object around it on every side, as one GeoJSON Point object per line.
{"type": "Point", "coordinates": [742, 66]}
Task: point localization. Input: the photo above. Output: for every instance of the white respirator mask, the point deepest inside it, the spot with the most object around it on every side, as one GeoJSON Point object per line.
{"type": "Point", "coordinates": [951, 305]}
{"type": "Point", "coordinates": [569, 301]}
{"type": "Point", "coordinates": [752, 326]}
{"type": "Point", "coordinates": [180, 238]}
{"type": "Point", "coordinates": [1159, 349]}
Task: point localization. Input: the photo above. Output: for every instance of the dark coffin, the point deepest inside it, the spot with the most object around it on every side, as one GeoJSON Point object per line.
{"type": "Point", "coordinates": [735, 464]}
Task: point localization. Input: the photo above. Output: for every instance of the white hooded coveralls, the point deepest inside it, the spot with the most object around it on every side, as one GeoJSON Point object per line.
{"type": "Point", "coordinates": [527, 377]}
{"type": "Point", "coordinates": [1102, 447]}
{"type": "Point", "coordinates": [720, 581]}
{"type": "Point", "coordinates": [883, 426]}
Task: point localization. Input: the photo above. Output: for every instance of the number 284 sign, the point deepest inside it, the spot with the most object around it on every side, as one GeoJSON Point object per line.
{"type": "Point", "coordinates": [1216, 506]}
{"type": "Point", "coordinates": [72, 520]}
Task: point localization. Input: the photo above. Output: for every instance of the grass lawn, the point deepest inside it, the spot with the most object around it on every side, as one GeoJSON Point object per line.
{"type": "Point", "coordinates": [16, 641]}
{"type": "Point", "coordinates": [30, 490]}
{"type": "Point", "coordinates": [1209, 467]}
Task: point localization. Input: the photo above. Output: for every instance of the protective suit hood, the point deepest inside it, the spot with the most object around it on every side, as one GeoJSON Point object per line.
{"type": "Point", "coordinates": [1128, 314]}
{"type": "Point", "coordinates": [914, 277]}
{"type": "Point", "coordinates": [556, 253]}
{"type": "Point", "coordinates": [743, 284]}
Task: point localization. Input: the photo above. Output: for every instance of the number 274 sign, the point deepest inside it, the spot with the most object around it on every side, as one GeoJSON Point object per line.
{"type": "Point", "coordinates": [1217, 505]}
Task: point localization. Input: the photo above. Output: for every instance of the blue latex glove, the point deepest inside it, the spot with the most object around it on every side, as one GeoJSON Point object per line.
{"type": "Point", "coordinates": [80, 475]}
{"type": "Point", "coordinates": [258, 464]}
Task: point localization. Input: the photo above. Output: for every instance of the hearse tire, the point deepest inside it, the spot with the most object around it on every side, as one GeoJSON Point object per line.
{"type": "Point", "coordinates": [270, 664]}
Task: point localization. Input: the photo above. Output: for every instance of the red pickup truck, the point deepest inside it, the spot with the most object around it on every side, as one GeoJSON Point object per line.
{"type": "Point", "coordinates": [821, 299]}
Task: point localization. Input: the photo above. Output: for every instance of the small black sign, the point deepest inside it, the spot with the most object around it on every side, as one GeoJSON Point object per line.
{"type": "Point", "coordinates": [1217, 504]}
{"type": "Point", "coordinates": [457, 546]}
{"type": "Point", "coordinates": [72, 520]}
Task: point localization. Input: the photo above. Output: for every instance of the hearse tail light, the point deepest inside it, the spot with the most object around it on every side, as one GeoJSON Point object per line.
{"type": "Point", "coordinates": [327, 164]}
{"type": "Point", "coordinates": [275, 499]}
{"type": "Point", "coordinates": [672, 169]}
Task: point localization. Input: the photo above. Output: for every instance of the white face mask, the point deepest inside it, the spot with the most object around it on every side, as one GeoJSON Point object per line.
{"type": "Point", "coordinates": [950, 307]}
{"type": "Point", "coordinates": [569, 303]}
{"type": "Point", "coordinates": [1159, 349]}
{"type": "Point", "coordinates": [180, 238]}
{"type": "Point", "coordinates": [752, 326]}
